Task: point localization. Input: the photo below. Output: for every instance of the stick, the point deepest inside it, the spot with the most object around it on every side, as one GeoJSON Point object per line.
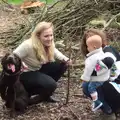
{"type": "Point", "coordinates": [68, 76]}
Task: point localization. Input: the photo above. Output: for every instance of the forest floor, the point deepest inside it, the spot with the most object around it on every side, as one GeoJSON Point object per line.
{"type": "Point", "coordinates": [78, 107]}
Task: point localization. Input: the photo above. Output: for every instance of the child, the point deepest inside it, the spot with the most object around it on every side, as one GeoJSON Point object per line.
{"type": "Point", "coordinates": [97, 70]}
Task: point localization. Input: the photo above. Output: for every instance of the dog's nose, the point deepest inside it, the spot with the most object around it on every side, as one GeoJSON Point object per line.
{"type": "Point", "coordinates": [10, 57]}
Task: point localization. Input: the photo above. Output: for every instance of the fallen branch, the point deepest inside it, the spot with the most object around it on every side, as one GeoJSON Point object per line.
{"type": "Point", "coordinates": [110, 21]}
{"type": "Point", "coordinates": [75, 115]}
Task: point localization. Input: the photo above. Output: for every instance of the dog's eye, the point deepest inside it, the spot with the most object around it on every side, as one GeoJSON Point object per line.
{"type": "Point", "coordinates": [7, 54]}
{"type": "Point", "coordinates": [16, 59]}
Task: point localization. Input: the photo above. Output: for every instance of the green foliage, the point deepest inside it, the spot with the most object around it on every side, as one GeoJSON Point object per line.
{"type": "Point", "coordinates": [16, 2]}
{"type": "Point", "coordinates": [99, 23]}
{"type": "Point", "coordinates": [115, 44]}
{"type": "Point", "coordinates": [48, 1]}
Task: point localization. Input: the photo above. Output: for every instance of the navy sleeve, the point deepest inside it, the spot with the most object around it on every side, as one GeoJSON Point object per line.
{"type": "Point", "coordinates": [113, 51]}
{"type": "Point", "coordinates": [108, 61]}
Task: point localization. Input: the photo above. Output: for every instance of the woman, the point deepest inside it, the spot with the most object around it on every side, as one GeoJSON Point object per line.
{"type": "Point", "coordinates": [106, 48]}
{"type": "Point", "coordinates": [39, 53]}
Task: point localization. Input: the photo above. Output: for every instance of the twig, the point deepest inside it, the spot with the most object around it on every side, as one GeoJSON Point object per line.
{"type": "Point", "coordinates": [109, 22]}
{"type": "Point", "coordinates": [68, 76]}
{"type": "Point", "coordinates": [76, 117]}
{"type": "Point", "coordinates": [5, 2]}
{"type": "Point", "coordinates": [8, 4]}
{"type": "Point", "coordinates": [96, 2]}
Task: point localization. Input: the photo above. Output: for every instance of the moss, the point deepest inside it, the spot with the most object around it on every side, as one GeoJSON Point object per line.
{"type": "Point", "coordinates": [97, 23]}
{"type": "Point", "coordinates": [115, 44]}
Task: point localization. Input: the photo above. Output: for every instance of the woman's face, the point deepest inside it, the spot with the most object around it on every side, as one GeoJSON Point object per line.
{"type": "Point", "coordinates": [46, 37]}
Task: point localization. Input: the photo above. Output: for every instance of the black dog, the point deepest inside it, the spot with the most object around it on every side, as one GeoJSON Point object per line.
{"type": "Point", "coordinates": [11, 89]}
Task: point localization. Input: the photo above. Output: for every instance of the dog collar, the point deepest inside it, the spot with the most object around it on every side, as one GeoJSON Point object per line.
{"type": "Point", "coordinates": [19, 72]}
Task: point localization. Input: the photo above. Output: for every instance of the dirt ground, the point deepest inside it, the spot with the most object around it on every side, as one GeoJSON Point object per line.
{"type": "Point", "coordinates": [78, 108]}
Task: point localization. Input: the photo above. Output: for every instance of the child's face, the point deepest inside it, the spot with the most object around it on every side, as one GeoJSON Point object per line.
{"type": "Point", "coordinates": [94, 42]}
{"type": "Point", "coordinates": [90, 47]}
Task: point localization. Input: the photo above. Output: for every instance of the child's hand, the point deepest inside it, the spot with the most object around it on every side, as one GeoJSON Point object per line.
{"type": "Point", "coordinates": [81, 81]}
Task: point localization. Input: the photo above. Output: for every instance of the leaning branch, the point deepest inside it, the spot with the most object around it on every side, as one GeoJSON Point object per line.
{"type": "Point", "coordinates": [110, 21]}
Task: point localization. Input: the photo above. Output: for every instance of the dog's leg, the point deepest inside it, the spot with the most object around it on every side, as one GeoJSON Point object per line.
{"type": "Point", "coordinates": [3, 93]}
{"type": "Point", "coordinates": [21, 101]}
{"type": "Point", "coordinates": [13, 103]}
{"type": "Point", "coordinates": [3, 87]}
{"type": "Point", "coordinates": [11, 100]}
{"type": "Point", "coordinates": [12, 111]}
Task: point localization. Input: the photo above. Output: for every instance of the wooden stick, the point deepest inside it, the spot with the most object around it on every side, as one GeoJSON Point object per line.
{"type": "Point", "coordinates": [68, 76]}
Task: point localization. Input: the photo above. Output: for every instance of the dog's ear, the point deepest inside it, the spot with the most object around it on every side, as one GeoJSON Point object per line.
{"type": "Point", "coordinates": [16, 55]}
{"type": "Point", "coordinates": [4, 58]}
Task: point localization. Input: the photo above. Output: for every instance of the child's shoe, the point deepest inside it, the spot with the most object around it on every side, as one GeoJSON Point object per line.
{"type": "Point", "coordinates": [96, 105]}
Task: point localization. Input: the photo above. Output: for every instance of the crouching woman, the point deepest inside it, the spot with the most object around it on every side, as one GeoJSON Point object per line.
{"type": "Point", "coordinates": [39, 53]}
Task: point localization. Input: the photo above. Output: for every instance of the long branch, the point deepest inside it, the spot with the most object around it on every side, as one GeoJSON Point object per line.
{"type": "Point", "coordinates": [110, 21]}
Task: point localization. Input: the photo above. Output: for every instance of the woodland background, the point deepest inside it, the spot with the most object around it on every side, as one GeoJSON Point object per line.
{"type": "Point", "coordinates": [70, 18]}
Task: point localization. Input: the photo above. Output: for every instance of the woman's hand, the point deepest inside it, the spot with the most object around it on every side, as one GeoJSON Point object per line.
{"type": "Point", "coordinates": [24, 66]}
{"type": "Point", "coordinates": [68, 62]}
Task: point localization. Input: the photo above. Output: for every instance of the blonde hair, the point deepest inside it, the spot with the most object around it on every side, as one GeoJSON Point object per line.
{"type": "Point", "coordinates": [38, 47]}
{"type": "Point", "coordinates": [91, 32]}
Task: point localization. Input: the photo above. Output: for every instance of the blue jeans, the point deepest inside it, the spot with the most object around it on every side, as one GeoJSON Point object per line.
{"type": "Point", "coordinates": [105, 108]}
{"type": "Point", "coordinates": [92, 86]}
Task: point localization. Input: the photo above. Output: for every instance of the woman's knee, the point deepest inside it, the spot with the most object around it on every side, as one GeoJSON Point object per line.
{"type": "Point", "coordinates": [38, 82]}
{"type": "Point", "coordinates": [51, 86]}
{"type": "Point", "coordinates": [48, 83]}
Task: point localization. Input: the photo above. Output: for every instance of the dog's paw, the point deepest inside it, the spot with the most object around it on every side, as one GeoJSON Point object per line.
{"type": "Point", "coordinates": [12, 114]}
{"type": "Point", "coordinates": [4, 107]}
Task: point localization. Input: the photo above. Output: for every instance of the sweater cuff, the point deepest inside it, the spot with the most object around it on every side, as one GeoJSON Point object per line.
{"type": "Point", "coordinates": [85, 78]}
{"type": "Point", "coordinates": [66, 58]}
